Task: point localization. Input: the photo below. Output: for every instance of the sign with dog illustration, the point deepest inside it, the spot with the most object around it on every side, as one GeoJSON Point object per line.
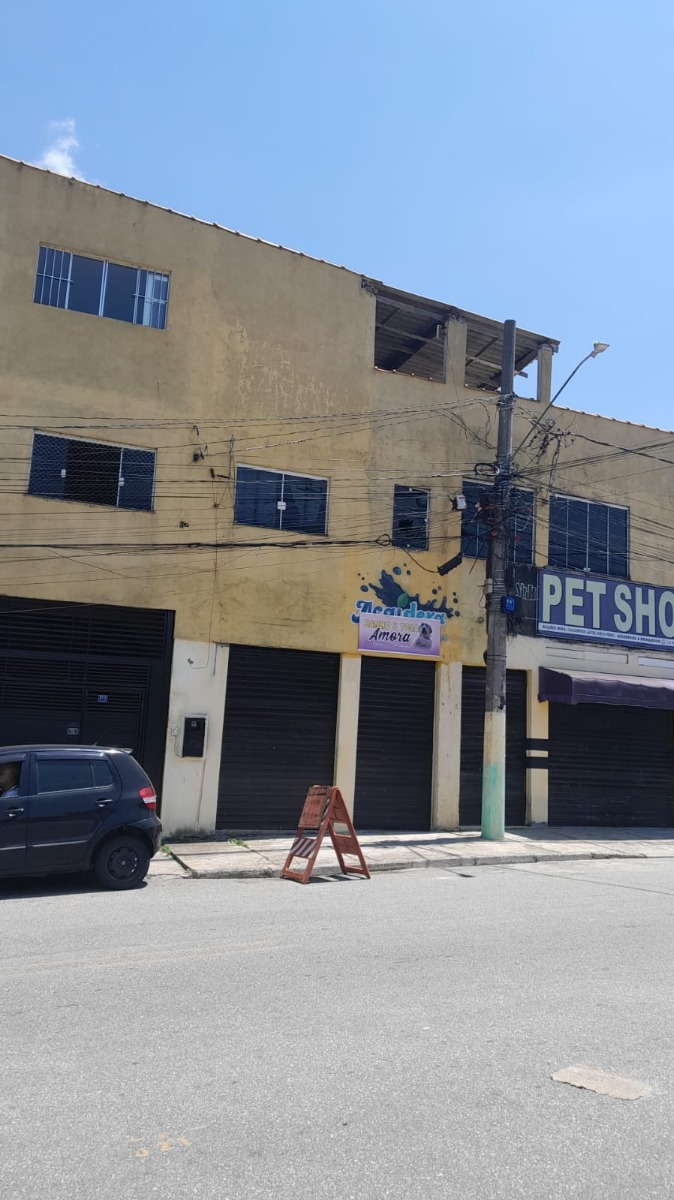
{"type": "Point", "coordinates": [381, 633]}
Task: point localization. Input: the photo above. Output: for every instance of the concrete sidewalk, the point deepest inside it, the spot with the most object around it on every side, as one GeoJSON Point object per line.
{"type": "Point", "coordinates": [258, 855]}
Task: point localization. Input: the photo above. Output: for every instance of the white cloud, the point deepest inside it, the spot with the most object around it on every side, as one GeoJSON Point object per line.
{"type": "Point", "coordinates": [60, 153]}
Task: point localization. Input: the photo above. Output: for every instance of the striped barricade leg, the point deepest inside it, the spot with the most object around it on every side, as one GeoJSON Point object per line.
{"type": "Point", "coordinates": [323, 808]}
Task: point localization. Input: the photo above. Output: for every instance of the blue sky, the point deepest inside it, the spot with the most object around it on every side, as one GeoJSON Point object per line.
{"type": "Point", "coordinates": [515, 158]}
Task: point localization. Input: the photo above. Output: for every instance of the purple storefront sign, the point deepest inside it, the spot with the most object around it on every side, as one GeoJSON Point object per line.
{"type": "Point", "coordinates": [379, 633]}
{"type": "Point", "coordinates": [590, 609]}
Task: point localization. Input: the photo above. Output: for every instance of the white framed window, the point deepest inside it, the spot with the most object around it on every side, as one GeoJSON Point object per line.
{"type": "Point", "coordinates": [63, 468]}
{"type": "Point", "coordinates": [64, 279]}
{"type": "Point", "coordinates": [587, 536]}
{"type": "Point", "coordinates": [281, 500]}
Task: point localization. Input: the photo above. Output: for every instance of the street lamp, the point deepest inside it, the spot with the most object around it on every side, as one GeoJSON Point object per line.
{"type": "Point", "coordinates": [597, 348]}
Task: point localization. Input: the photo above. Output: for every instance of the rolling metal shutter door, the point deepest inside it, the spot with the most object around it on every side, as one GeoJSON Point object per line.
{"type": "Point", "coordinates": [279, 735]}
{"type": "Point", "coordinates": [84, 673]}
{"type": "Point", "coordinates": [610, 765]}
{"type": "Point", "coordinates": [394, 765]}
{"type": "Point", "coordinates": [84, 629]}
{"type": "Point", "coordinates": [472, 746]}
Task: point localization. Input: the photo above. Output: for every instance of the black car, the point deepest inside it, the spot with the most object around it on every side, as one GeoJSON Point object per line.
{"type": "Point", "coordinates": [76, 808]}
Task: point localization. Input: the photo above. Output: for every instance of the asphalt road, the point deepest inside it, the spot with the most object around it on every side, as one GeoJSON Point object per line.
{"type": "Point", "coordinates": [236, 1040]}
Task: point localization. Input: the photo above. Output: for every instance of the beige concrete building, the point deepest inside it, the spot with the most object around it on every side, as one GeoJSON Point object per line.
{"type": "Point", "coordinates": [231, 473]}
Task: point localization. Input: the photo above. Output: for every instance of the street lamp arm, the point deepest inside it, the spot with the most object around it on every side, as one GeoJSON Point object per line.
{"type": "Point", "coordinates": [598, 348]}
{"type": "Point", "coordinates": [567, 380]}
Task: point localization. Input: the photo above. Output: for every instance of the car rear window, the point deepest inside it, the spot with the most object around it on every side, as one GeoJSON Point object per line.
{"type": "Point", "coordinates": [103, 776]}
{"type": "Point", "coordinates": [63, 774]}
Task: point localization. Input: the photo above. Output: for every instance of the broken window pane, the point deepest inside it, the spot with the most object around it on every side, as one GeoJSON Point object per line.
{"type": "Point", "coordinates": [410, 518]}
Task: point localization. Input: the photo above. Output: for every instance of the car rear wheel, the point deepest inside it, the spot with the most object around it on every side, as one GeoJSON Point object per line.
{"type": "Point", "coordinates": [122, 862]}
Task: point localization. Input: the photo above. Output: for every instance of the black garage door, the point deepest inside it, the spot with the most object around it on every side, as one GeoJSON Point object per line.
{"type": "Point", "coordinates": [610, 765]}
{"type": "Point", "coordinates": [472, 746]}
{"type": "Point", "coordinates": [279, 735]}
{"type": "Point", "coordinates": [85, 673]}
{"type": "Point", "coordinates": [394, 765]}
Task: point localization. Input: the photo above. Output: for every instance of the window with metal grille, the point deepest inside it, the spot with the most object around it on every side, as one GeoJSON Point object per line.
{"type": "Point", "coordinates": [586, 536]}
{"type": "Point", "coordinates": [475, 522]}
{"type": "Point", "coordinates": [275, 500]}
{"type": "Point", "coordinates": [64, 468]}
{"type": "Point", "coordinates": [410, 518]}
{"type": "Point", "coordinates": [104, 289]}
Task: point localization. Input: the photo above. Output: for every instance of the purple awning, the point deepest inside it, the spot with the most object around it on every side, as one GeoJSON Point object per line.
{"type": "Point", "coordinates": [576, 687]}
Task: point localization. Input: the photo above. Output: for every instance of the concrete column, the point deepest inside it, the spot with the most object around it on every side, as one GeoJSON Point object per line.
{"type": "Point", "coordinates": [544, 380]}
{"type": "Point", "coordinates": [457, 332]}
{"type": "Point", "coordinates": [447, 746]}
{"type": "Point", "coordinates": [347, 727]}
{"type": "Point", "coordinates": [537, 732]}
{"type": "Point", "coordinates": [198, 687]}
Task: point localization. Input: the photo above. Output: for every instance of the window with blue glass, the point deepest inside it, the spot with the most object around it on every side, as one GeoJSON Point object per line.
{"type": "Point", "coordinates": [276, 500]}
{"type": "Point", "coordinates": [64, 468]}
{"type": "Point", "coordinates": [103, 289]}
{"type": "Point", "coordinates": [587, 536]}
{"type": "Point", "coordinates": [476, 522]}
{"type": "Point", "coordinates": [410, 518]}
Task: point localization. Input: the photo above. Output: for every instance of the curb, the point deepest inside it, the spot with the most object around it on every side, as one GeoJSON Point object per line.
{"type": "Point", "coordinates": [416, 864]}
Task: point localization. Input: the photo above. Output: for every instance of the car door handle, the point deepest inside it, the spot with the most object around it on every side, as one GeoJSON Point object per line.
{"type": "Point", "coordinates": [13, 812]}
{"type": "Point", "coordinates": [103, 803]}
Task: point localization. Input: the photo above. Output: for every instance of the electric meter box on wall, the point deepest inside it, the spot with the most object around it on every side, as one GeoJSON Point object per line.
{"type": "Point", "coordinates": [193, 741]}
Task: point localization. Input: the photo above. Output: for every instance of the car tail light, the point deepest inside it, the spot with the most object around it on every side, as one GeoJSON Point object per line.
{"type": "Point", "coordinates": [148, 797]}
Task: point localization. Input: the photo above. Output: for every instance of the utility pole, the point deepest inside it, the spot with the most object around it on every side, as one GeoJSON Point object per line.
{"type": "Point", "coordinates": [494, 760]}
